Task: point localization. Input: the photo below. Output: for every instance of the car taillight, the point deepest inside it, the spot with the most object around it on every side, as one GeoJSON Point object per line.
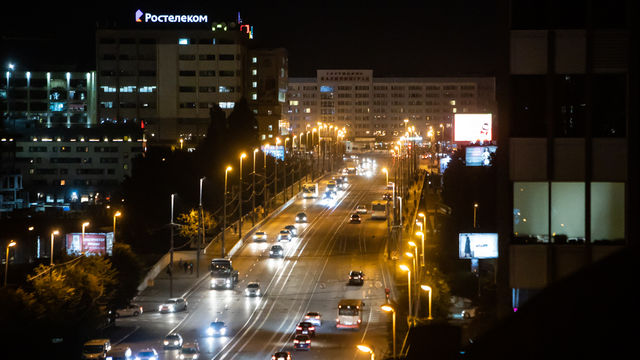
{"type": "Point", "coordinates": [318, 317]}
{"type": "Point", "coordinates": [308, 341]}
{"type": "Point", "coordinates": [359, 321]}
{"type": "Point", "coordinates": [350, 277]}
{"type": "Point", "coordinates": [295, 341]}
{"type": "Point", "coordinates": [312, 328]}
{"type": "Point", "coordinates": [306, 317]}
{"type": "Point", "coordinates": [298, 328]}
{"type": "Point", "coordinates": [338, 321]}
{"type": "Point", "coordinates": [273, 357]}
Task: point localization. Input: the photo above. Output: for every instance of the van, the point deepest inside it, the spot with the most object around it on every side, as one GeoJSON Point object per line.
{"type": "Point", "coordinates": [119, 352]}
{"type": "Point", "coordinates": [96, 349]}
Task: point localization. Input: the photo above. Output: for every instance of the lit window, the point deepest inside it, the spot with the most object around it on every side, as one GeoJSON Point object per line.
{"type": "Point", "coordinates": [62, 182]}
{"type": "Point", "coordinates": [255, 111]}
{"type": "Point", "coordinates": [455, 110]}
{"type": "Point", "coordinates": [254, 60]}
{"type": "Point", "coordinates": [307, 110]}
{"type": "Point", "coordinates": [183, 41]}
{"type": "Point", "coordinates": [254, 84]}
{"type": "Point", "coordinates": [293, 102]}
{"type": "Point", "coordinates": [254, 72]}
{"type": "Point", "coordinates": [270, 127]}
{"type": "Point", "coordinates": [452, 102]}
{"type": "Point", "coordinates": [264, 137]}
{"type": "Point", "coordinates": [254, 96]}
{"type": "Point", "coordinates": [226, 105]}
{"type": "Point", "coordinates": [270, 135]}
{"type": "Point", "coordinates": [269, 112]}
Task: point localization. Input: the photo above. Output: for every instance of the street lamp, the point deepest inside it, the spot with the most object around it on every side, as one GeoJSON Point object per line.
{"type": "Point", "coordinates": [275, 193]}
{"type": "Point", "coordinates": [415, 248]}
{"type": "Point", "coordinates": [53, 234]}
{"type": "Point", "coordinates": [6, 268]}
{"type": "Point", "coordinates": [171, 249]}
{"type": "Point", "coordinates": [421, 234]}
{"type": "Point", "coordinates": [475, 208]}
{"type": "Point", "coordinates": [253, 218]}
{"type": "Point", "coordinates": [365, 348]}
{"type": "Point", "coordinates": [428, 288]}
{"type": "Point", "coordinates": [387, 174]}
{"type": "Point", "coordinates": [240, 198]}
{"type": "Point", "coordinates": [114, 225]}
{"type": "Point", "coordinates": [406, 268]}
{"type": "Point", "coordinates": [388, 308]}
{"type": "Point", "coordinates": [84, 225]}
{"type": "Point", "coordinates": [224, 214]}
{"type": "Point", "coordinates": [200, 229]}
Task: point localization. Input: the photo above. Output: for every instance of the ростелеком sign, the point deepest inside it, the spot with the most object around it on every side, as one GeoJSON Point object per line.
{"type": "Point", "coordinates": [148, 17]}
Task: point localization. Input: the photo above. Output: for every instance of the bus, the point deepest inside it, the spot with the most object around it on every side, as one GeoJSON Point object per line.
{"type": "Point", "coordinates": [379, 209]}
{"type": "Point", "coordinates": [310, 190]}
{"type": "Point", "coordinates": [349, 314]}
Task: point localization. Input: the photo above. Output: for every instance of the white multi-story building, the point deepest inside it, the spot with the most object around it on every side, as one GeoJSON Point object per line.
{"type": "Point", "coordinates": [375, 109]}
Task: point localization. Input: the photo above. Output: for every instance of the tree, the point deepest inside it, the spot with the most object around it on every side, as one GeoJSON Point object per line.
{"type": "Point", "coordinates": [190, 223]}
{"type": "Point", "coordinates": [129, 273]}
{"type": "Point", "coordinates": [440, 299]}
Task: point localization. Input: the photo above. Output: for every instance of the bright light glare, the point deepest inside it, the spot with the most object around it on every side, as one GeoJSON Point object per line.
{"type": "Point", "coordinates": [386, 308]}
{"type": "Point", "coordinates": [364, 348]}
{"type": "Point", "coordinates": [425, 287]}
{"type": "Point", "coordinates": [404, 267]}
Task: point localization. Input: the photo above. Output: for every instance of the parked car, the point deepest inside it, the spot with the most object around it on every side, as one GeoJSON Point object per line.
{"type": "Point", "coordinates": [469, 313]}
{"type": "Point", "coordinates": [129, 310]}
{"type": "Point", "coordinates": [173, 305]}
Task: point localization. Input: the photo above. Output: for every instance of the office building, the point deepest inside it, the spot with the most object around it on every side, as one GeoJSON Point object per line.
{"type": "Point", "coordinates": [374, 110]}
{"type": "Point", "coordinates": [570, 126]}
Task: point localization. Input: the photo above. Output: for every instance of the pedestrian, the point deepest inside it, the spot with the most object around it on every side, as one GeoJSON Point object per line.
{"type": "Point", "coordinates": [191, 267]}
{"type": "Point", "coordinates": [414, 192]}
{"type": "Point", "coordinates": [180, 263]}
{"type": "Point", "coordinates": [186, 267]}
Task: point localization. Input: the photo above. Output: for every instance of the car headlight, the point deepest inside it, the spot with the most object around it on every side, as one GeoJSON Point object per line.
{"type": "Point", "coordinates": [160, 308]}
{"type": "Point", "coordinates": [153, 358]}
{"type": "Point", "coordinates": [210, 331]}
{"type": "Point", "coordinates": [297, 218]}
{"type": "Point", "coordinates": [258, 292]}
{"type": "Point", "coordinates": [246, 290]}
{"type": "Point", "coordinates": [175, 343]}
{"type": "Point", "coordinates": [223, 331]}
{"type": "Point", "coordinates": [166, 342]}
{"type": "Point", "coordinates": [137, 358]}
{"type": "Point", "coordinates": [195, 356]}
{"type": "Point", "coordinates": [171, 308]}
{"type": "Point", "coordinates": [228, 281]}
{"type": "Point", "coordinates": [255, 237]}
{"type": "Point", "coordinates": [270, 252]}
{"type": "Point", "coordinates": [305, 219]}
{"type": "Point", "coordinates": [181, 356]}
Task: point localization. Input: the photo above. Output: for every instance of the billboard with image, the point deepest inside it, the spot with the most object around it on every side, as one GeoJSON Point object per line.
{"type": "Point", "coordinates": [478, 245]}
{"type": "Point", "coordinates": [472, 127]}
{"type": "Point", "coordinates": [479, 155]}
{"type": "Point", "coordinates": [93, 244]}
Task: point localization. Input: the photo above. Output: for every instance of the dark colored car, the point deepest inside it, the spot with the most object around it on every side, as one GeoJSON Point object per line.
{"type": "Point", "coordinates": [302, 342]}
{"type": "Point", "coordinates": [356, 278]}
{"type": "Point", "coordinates": [292, 229]}
{"type": "Point", "coordinates": [281, 355]}
{"type": "Point", "coordinates": [386, 196]}
{"type": "Point", "coordinates": [276, 252]}
{"type": "Point", "coordinates": [355, 219]}
{"type": "Point", "coordinates": [173, 341]}
{"type": "Point", "coordinates": [328, 195]}
{"type": "Point", "coordinates": [217, 328]}
{"type": "Point", "coordinates": [306, 328]}
{"type": "Point", "coordinates": [301, 218]}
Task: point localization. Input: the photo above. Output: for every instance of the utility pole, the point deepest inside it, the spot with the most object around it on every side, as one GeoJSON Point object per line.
{"type": "Point", "coordinates": [200, 230]}
{"type": "Point", "coordinates": [170, 251]}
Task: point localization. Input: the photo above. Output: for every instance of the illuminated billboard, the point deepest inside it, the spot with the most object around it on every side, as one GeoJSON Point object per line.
{"type": "Point", "coordinates": [479, 155]}
{"type": "Point", "coordinates": [93, 244]}
{"type": "Point", "coordinates": [276, 153]}
{"type": "Point", "coordinates": [478, 246]}
{"type": "Point", "coordinates": [472, 127]}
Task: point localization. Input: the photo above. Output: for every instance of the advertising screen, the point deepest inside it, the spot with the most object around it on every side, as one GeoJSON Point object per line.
{"type": "Point", "coordinates": [472, 127]}
{"type": "Point", "coordinates": [479, 155]}
{"type": "Point", "coordinates": [478, 246]}
{"type": "Point", "coordinates": [94, 243]}
{"type": "Point", "coordinates": [277, 153]}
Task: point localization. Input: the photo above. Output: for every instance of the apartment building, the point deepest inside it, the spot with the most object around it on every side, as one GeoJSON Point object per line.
{"type": "Point", "coordinates": [375, 109]}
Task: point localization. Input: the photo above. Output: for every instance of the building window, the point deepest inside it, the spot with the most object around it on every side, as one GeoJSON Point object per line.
{"type": "Point", "coordinates": [187, 105]}
{"type": "Point", "coordinates": [607, 211]}
{"type": "Point", "coordinates": [187, 73]}
{"type": "Point", "coordinates": [254, 72]}
{"type": "Point", "coordinates": [531, 211]}
{"type": "Point", "coordinates": [226, 73]}
{"type": "Point", "coordinates": [187, 57]}
{"type": "Point", "coordinates": [207, 73]}
{"type": "Point", "coordinates": [254, 60]}
{"type": "Point", "coordinates": [293, 102]}
{"type": "Point", "coordinates": [184, 41]}
{"type": "Point", "coordinates": [225, 57]}
{"type": "Point", "coordinates": [254, 84]}
{"type": "Point", "coordinates": [206, 57]}
{"type": "Point", "coordinates": [254, 96]}
{"type": "Point", "coordinates": [226, 89]}
{"type": "Point", "coordinates": [188, 89]}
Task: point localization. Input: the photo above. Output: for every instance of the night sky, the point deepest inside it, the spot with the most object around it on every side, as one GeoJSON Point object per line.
{"type": "Point", "coordinates": [394, 38]}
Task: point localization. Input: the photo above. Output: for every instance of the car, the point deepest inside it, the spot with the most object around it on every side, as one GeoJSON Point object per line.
{"type": "Point", "coordinates": [301, 217]}
{"type": "Point", "coordinates": [172, 341]}
{"type": "Point", "coordinates": [260, 236]}
{"type": "Point", "coordinates": [469, 313]}
{"type": "Point", "coordinates": [190, 351]}
{"type": "Point", "coordinates": [292, 229]}
{"type": "Point", "coordinates": [119, 352]}
{"type": "Point", "coordinates": [302, 342]}
{"type": "Point", "coordinates": [328, 195]}
{"type": "Point", "coordinates": [306, 328]}
{"type": "Point", "coordinates": [276, 251]}
{"type": "Point", "coordinates": [217, 328]}
{"type": "Point", "coordinates": [173, 305]}
{"type": "Point", "coordinates": [313, 317]}
{"type": "Point", "coordinates": [356, 278]}
{"type": "Point", "coordinates": [281, 355]}
{"type": "Point", "coordinates": [147, 354]}
{"type": "Point", "coordinates": [96, 349]}
{"type": "Point", "coordinates": [355, 219]}
{"type": "Point", "coordinates": [386, 196]}
{"type": "Point", "coordinates": [361, 209]}
{"type": "Point", "coordinates": [390, 185]}
{"type": "Point", "coordinates": [253, 289]}
{"type": "Point", "coordinates": [345, 179]}
{"type": "Point", "coordinates": [284, 235]}
{"type": "Point", "coordinates": [129, 310]}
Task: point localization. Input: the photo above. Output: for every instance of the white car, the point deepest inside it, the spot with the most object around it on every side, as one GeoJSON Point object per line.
{"type": "Point", "coordinates": [260, 236]}
{"type": "Point", "coordinates": [361, 209]}
{"type": "Point", "coordinates": [173, 305]}
{"type": "Point", "coordinates": [147, 354]}
{"type": "Point", "coordinates": [253, 289]}
{"type": "Point", "coordinates": [129, 310]}
{"type": "Point", "coordinates": [284, 235]}
{"type": "Point", "coordinates": [313, 317]}
{"type": "Point", "coordinates": [190, 351]}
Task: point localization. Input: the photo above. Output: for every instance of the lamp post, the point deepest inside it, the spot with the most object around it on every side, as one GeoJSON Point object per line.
{"type": "Point", "coordinates": [428, 288]}
{"type": "Point", "coordinates": [421, 234]}
{"type": "Point", "coordinates": [53, 234]}
{"type": "Point", "coordinates": [6, 268]}
{"type": "Point", "coordinates": [84, 225]}
{"type": "Point", "coordinates": [240, 198]}
{"type": "Point", "coordinates": [264, 176]}
{"type": "Point", "coordinates": [386, 172]}
{"type": "Point", "coordinates": [200, 229]}
{"type": "Point", "coordinates": [365, 348]}
{"type": "Point", "coordinates": [275, 192]}
{"type": "Point", "coordinates": [171, 249]}
{"type": "Point", "coordinates": [475, 209]}
{"type": "Point", "coordinates": [406, 268]}
{"type": "Point", "coordinates": [253, 203]}
{"type": "Point", "coordinates": [388, 308]}
{"type": "Point", "coordinates": [118, 213]}
{"type": "Point", "coordinates": [224, 213]}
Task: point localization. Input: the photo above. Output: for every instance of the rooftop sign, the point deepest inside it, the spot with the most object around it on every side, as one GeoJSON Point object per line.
{"type": "Point", "coordinates": [148, 17]}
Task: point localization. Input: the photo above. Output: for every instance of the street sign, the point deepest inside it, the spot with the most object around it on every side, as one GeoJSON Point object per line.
{"type": "Point", "coordinates": [395, 255]}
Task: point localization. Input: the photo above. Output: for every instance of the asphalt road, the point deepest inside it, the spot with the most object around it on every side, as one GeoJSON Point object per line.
{"type": "Point", "coordinates": [312, 277]}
